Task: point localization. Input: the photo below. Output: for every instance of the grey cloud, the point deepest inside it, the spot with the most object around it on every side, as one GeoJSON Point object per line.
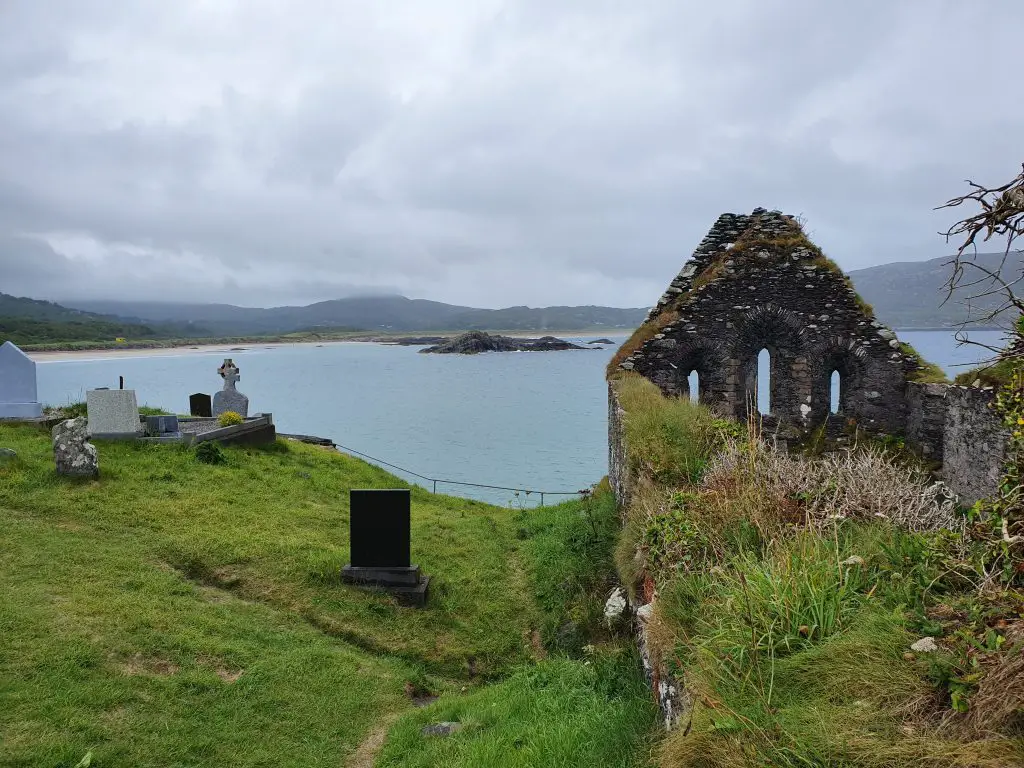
{"type": "Point", "coordinates": [497, 153]}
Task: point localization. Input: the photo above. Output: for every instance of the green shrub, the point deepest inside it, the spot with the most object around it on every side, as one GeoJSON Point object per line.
{"type": "Point", "coordinates": [230, 419]}
{"type": "Point", "coordinates": [210, 452]}
{"type": "Point", "coordinates": [75, 410]}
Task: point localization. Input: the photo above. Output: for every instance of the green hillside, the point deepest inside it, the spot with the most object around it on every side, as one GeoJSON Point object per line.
{"type": "Point", "coordinates": [175, 613]}
{"type": "Point", "coordinates": [32, 323]}
{"type": "Point", "coordinates": [27, 332]}
{"type": "Point", "coordinates": [34, 309]}
{"type": "Point", "coordinates": [911, 294]}
{"type": "Point", "coordinates": [371, 313]}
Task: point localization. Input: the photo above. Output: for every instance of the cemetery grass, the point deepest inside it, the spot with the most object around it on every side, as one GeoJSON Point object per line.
{"type": "Point", "coordinates": [178, 613]}
{"type": "Point", "coordinates": [584, 702]}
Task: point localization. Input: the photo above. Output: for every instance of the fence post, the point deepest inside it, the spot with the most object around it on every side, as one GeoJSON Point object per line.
{"type": "Point", "coordinates": [542, 498]}
{"type": "Point", "coordinates": [435, 486]}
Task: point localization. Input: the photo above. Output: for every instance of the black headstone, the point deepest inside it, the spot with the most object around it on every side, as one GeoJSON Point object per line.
{"type": "Point", "coordinates": [379, 523]}
{"type": "Point", "coordinates": [200, 405]}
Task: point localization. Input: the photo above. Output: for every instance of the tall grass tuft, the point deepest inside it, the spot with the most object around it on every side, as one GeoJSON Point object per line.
{"type": "Point", "coordinates": [669, 440]}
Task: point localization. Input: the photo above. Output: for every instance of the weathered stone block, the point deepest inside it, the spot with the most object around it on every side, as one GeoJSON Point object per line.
{"type": "Point", "coordinates": [73, 454]}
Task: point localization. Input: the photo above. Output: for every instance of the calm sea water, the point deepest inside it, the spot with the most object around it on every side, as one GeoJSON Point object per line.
{"type": "Point", "coordinates": [534, 420]}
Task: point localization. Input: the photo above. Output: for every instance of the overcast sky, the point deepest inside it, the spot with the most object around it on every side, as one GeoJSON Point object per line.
{"type": "Point", "coordinates": [480, 152]}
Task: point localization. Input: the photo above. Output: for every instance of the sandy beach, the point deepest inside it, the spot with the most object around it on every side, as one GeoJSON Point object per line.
{"type": "Point", "coordinates": [199, 349]}
{"type": "Point", "coordinates": [196, 349]}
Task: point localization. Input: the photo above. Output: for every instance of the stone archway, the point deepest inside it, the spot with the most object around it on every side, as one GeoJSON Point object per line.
{"type": "Point", "coordinates": [708, 364]}
{"type": "Point", "coordinates": [844, 356]}
{"type": "Point", "coordinates": [779, 331]}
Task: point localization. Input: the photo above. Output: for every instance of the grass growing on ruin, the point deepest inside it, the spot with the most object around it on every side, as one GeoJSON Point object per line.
{"type": "Point", "coordinates": [668, 440]}
{"type": "Point", "coordinates": [180, 613]}
{"type": "Point", "coordinates": [995, 374]}
{"type": "Point", "coordinates": [778, 248]}
{"type": "Point", "coordinates": [926, 372]}
{"type": "Point", "coordinates": [640, 336]}
{"type": "Point", "coordinates": [790, 616]}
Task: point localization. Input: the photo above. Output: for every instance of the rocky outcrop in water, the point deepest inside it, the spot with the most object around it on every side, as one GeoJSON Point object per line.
{"type": "Point", "coordinates": [474, 342]}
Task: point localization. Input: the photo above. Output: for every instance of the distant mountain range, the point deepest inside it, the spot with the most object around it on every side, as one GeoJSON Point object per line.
{"type": "Point", "coordinates": [909, 294]}
{"type": "Point", "coordinates": [904, 295]}
{"type": "Point", "coordinates": [369, 313]}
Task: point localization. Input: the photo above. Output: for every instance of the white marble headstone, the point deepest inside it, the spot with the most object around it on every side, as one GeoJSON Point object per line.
{"type": "Point", "coordinates": [18, 394]}
{"type": "Point", "coordinates": [113, 413]}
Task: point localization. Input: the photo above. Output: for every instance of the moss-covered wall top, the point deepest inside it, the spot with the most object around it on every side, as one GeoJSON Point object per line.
{"type": "Point", "coordinates": [757, 283]}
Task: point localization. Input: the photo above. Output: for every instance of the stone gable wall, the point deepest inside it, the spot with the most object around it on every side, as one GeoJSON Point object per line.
{"type": "Point", "coordinates": [779, 294]}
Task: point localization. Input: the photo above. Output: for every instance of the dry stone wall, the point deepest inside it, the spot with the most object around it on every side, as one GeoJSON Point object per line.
{"type": "Point", "coordinates": [926, 419]}
{"type": "Point", "coordinates": [974, 444]}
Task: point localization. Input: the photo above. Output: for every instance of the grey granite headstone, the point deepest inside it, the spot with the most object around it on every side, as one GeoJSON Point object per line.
{"type": "Point", "coordinates": [75, 456]}
{"type": "Point", "coordinates": [18, 398]}
{"type": "Point", "coordinates": [229, 398]}
{"type": "Point", "coordinates": [113, 413]}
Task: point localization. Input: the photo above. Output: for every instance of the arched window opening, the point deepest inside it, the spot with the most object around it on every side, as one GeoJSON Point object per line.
{"type": "Point", "coordinates": [764, 382]}
{"type": "Point", "coordinates": [834, 389]}
{"type": "Point", "coordinates": [694, 383]}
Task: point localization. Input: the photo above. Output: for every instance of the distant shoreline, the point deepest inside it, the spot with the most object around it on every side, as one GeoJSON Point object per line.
{"type": "Point", "coordinates": [156, 348]}
{"type": "Point", "coordinates": [110, 352]}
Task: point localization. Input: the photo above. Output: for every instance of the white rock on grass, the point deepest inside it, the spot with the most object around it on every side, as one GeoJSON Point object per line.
{"type": "Point", "coordinates": [925, 645]}
{"type": "Point", "coordinates": [615, 606]}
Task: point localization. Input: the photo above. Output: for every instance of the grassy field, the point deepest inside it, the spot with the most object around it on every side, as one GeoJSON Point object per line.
{"type": "Point", "coordinates": [175, 613]}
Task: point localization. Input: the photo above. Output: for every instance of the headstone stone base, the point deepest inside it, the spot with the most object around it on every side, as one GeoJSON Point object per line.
{"type": "Point", "coordinates": [408, 585]}
{"type": "Point", "coordinates": [157, 426]}
{"type": "Point", "coordinates": [21, 410]}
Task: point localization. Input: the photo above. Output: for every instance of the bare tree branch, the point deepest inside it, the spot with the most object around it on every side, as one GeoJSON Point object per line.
{"type": "Point", "coordinates": [990, 292]}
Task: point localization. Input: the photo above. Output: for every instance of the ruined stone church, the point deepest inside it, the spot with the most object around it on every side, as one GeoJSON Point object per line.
{"type": "Point", "coordinates": [756, 285]}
